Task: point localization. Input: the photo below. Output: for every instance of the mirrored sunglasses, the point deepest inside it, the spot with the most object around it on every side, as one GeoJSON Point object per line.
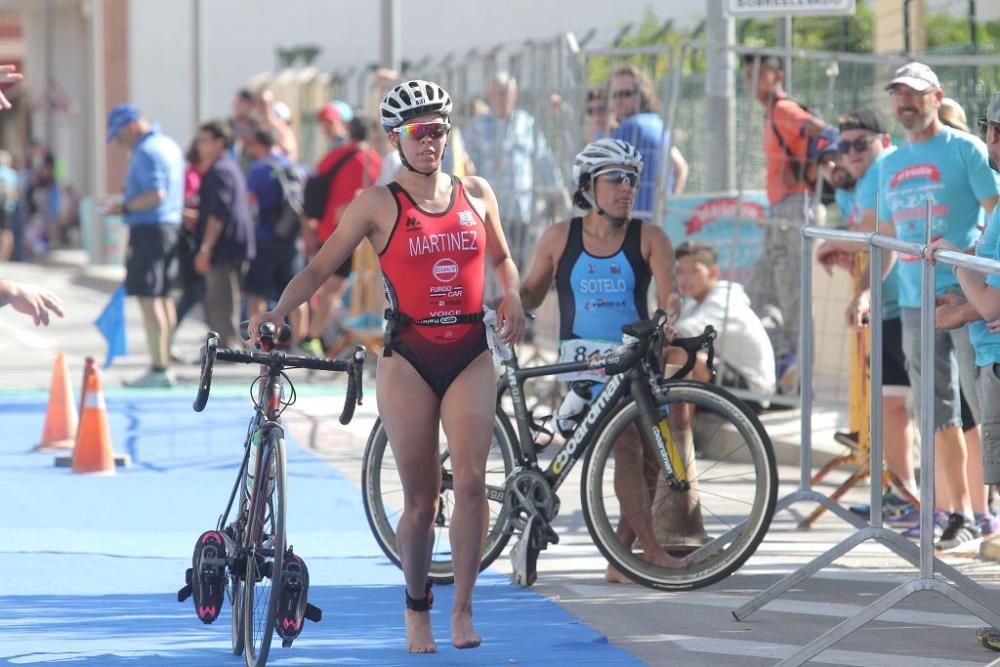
{"type": "Point", "coordinates": [420, 131]}
{"type": "Point", "coordinates": [619, 176]}
{"type": "Point", "coordinates": [618, 94]}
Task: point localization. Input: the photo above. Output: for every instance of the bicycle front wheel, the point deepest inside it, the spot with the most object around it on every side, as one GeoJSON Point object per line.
{"type": "Point", "coordinates": [718, 523]}
{"type": "Point", "coordinates": [382, 494]}
{"type": "Point", "coordinates": [266, 553]}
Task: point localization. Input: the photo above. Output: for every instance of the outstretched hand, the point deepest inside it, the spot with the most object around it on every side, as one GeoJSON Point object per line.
{"type": "Point", "coordinates": [8, 77]}
{"type": "Point", "coordinates": [33, 301]}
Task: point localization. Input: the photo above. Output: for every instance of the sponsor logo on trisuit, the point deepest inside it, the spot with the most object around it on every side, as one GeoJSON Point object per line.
{"type": "Point", "coordinates": [445, 270]}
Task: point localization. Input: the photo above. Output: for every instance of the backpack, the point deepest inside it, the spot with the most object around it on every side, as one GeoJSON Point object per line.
{"type": "Point", "coordinates": [317, 188]}
{"type": "Point", "coordinates": [804, 169]}
{"type": "Point", "coordinates": [287, 226]}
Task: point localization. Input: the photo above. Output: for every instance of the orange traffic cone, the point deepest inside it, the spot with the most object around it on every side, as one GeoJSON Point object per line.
{"type": "Point", "coordinates": [60, 416]}
{"type": "Point", "coordinates": [92, 453]}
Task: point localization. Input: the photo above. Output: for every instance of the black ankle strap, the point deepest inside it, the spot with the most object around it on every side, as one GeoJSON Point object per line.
{"type": "Point", "coordinates": [423, 604]}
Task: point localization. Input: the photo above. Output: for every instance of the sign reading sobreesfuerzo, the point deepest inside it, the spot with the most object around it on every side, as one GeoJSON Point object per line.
{"type": "Point", "coordinates": [744, 8]}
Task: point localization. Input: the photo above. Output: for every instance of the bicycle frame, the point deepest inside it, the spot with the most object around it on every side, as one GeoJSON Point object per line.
{"type": "Point", "coordinates": [266, 418]}
{"type": "Point", "coordinates": [636, 378]}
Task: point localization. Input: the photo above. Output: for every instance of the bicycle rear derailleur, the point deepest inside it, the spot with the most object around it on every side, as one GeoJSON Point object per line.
{"type": "Point", "coordinates": [531, 505]}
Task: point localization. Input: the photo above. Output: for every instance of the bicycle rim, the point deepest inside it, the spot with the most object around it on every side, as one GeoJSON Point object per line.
{"type": "Point", "coordinates": [734, 490]}
{"type": "Point", "coordinates": [264, 561]}
{"type": "Point", "coordinates": [382, 494]}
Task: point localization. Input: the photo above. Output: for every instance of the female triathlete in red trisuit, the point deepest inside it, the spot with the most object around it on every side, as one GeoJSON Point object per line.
{"type": "Point", "coordinates": [434, 235]}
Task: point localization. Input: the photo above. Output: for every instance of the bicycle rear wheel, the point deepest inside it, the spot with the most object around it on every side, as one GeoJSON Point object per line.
{"type": "Point", "coordinates": [734, 489]}
{"type": "Point", "coordinates": [266, 537]}
{"type": "Point", "coordinates": [382, 494]}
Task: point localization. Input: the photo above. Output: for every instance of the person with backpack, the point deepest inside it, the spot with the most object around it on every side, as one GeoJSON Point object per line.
{"type": "Point", "coordinates": [274, 187]}
{"type": "Point", "coordinates": [339, 178]}
{"type": "Point", "coordinates": [789, 131]}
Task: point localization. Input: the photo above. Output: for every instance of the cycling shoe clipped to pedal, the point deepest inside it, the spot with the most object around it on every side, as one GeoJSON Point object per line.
{"type": "Point", "coordinates": [206, 578]}
{"type": "Point", "coordinates": [293, 603]}
{"type": "Point", "coordinates": [524, 554]}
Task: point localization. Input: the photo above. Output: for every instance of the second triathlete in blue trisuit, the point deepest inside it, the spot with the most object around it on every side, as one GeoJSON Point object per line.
{"type": "Point", "coordinates": [602, 264]}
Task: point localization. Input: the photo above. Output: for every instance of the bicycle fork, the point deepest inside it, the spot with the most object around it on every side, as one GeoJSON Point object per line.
{"type": "Point", "coordinates": [657, 436]}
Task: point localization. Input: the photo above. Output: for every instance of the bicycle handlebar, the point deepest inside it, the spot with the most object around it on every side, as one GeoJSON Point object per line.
{"type": "Point", "coordinates": [278, 359]}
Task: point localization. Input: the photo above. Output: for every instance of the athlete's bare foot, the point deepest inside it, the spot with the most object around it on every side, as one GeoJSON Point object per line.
{"type": "Point", "coordinates": [664, 559]}
{"type": "Point", "coordinates": [463, 635]}
{"type": "Point", "coordinates": [419, 637]}
{"type": "Point", "coordinates": [613, 575]}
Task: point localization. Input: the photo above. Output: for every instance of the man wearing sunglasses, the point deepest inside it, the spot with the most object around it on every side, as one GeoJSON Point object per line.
{"type": "Point", "coordinates": [949, 169]}
{"type": "Point", "coordinates": [637, 111]}
{"type": "Point", "coordinates": [435, 234]}
{"type": "Point", "coordinates": [864, 145]}
{"type": "Point", "coordinates": [602, 264]}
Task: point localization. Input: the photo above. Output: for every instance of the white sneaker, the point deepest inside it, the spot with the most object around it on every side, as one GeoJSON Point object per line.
{"type": "Point", "coordinates": [152, 380]}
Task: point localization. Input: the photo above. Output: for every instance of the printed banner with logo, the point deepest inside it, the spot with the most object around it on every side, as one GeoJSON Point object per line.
{"type": "Point", "coordinates": [726, 222]}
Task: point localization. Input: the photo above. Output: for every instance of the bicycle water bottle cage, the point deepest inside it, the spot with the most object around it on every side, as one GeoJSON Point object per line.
{"type": "Point", "coordinates": [293, 602]}
{"type": "Point", "coordinates": [542, 436]}
{"type": "Point", "coordinates": [206, 579]}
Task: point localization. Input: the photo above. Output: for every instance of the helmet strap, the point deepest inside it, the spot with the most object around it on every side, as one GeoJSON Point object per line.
{"type": "Point", "coordinates": [614, 220]}
{"type": "Point", "coordinates": [410, 167]}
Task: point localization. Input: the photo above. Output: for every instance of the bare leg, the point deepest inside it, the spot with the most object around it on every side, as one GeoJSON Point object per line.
{"type": "Point", "coordinates": [409, 411]}
{"type": "Point", "coordinates": [327, 299]}
{"type": "Point", "coordinates": [974, 471]}
{"type": "Point", "coordinates": [467, 416]}
{"type": "Point", "coordinates": [299, 319]}
{"type": "Point", "coordinates": [636, 504]}
{"type": "Point", "coordinates": [255, 304]}
{"type": "Point", "coordinates": [897, 435]}
{"type": "Point", "coordinates": [156, 323]}
{"type": "Point", "coordinates": [950, 462]}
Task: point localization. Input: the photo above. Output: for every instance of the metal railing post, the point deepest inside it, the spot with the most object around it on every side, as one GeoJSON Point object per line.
{"type": "Point", "coordinates": [962, 591]}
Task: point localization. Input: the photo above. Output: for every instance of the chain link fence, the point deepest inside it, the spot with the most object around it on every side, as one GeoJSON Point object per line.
{"type": "Point", "coordinates": [521, 115]}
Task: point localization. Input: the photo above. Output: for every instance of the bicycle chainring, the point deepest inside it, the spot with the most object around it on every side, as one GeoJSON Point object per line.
{"type": "Point", "coordinates": [528, 494]}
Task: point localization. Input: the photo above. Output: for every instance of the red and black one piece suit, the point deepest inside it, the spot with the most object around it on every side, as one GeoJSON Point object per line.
{"type": "Point", "coordinates": [433, 268]}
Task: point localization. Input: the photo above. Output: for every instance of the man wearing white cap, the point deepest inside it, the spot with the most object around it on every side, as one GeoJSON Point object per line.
{"type": "Point", "coordinates": [950, 170]}
{"type": "Point", "coordinates": [983, 293]}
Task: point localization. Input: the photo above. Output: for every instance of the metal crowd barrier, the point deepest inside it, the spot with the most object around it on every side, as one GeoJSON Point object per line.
{"type": "Point", "coordinates": [962, 591]}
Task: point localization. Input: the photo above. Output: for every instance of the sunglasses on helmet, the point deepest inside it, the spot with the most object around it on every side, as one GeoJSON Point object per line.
{"type": "Point", "coordinates": [619, 176]}
{"type": "Point", "coordinates": [421, 131]}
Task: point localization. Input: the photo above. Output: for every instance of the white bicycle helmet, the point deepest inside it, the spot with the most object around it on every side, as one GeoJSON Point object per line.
{"type": "Point", "coordinates": [605, 153]}
{"type": "Point", "coordinates": [413, 98]}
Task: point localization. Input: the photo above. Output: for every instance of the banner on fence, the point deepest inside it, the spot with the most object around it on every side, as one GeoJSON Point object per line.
{"type": "Point", "coordinates": [727, 222]}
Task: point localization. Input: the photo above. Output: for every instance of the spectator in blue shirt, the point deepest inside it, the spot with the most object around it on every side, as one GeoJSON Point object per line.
{"type": "Point", "coordinates": [636, 108]}
{"type": "Point", "coordinates": [151, 208]}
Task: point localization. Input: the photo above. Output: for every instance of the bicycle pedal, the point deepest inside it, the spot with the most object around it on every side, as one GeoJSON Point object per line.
{"type": "Point", "coordinates": [207, 576]}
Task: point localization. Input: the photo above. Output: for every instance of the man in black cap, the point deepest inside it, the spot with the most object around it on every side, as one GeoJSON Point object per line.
{"type": "Point", "coordinates": [864, 144]}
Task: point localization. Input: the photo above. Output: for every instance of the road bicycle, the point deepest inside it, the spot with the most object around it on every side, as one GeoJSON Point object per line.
{"type": "Point", "coordinates": [256, 552]}
{"type": "Point", "coordinates": [713, 460]}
